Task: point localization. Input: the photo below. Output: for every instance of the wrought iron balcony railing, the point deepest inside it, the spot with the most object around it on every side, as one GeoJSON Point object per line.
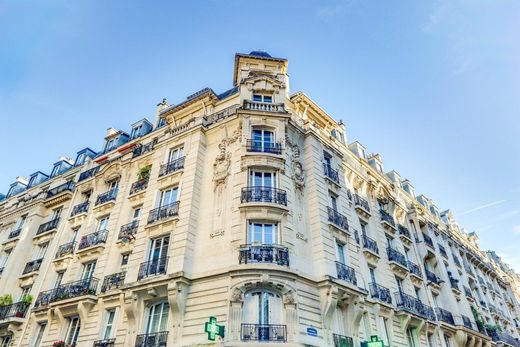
{"type": "Point", "coordinates": [264, 106]}
{"type": "Point", "coordinates": [467, 292]}
{"type": "Point", "coordinates": [87, 174]}
{"type": "Point", "coordinates": [142, 149]}
{"type": "Point", "coordinates": [370, 244]}
{"type": "Point", "coordinates": [113, 281]}
{"type": "Point", "coordinates": [48, 226]}
{"type": "Point", "coordinates": [80, 208]}
{"type": "Point", "coordinates": [431, 277]}
{"type": "Point", "coordinates": [32, 266]}
{"type": "Point", "coordinates": [414, 269]}
{"type": "Point", "coordinates": [380, 293]}
{"type": "Point", "coordinates": [428, 240]}
{"type": "Point", "coordinates": [138, 186]}
{"type": "Point", "coordinates": [264, 332]}
{"type": "Point", "coordinates": [14, 233]}
{"type": "Point", "coordinates": [259, 146]}
{"type": "Point", "coordinates": [346, 273]}
{"type": "Point", "coordinates": [359, 201]}
{"type": "Point", "coordinates": [159, 339]}
{"type": "Point", "coordinates": [93, 239]}
{"type": "Point", "coordinates": [503, 336]}
{"type": "Point", "coordinates": [252, 254]}
{"type": "Point", "coordinates": [107, 196]}
{"type": "Point", "coordinates": [444, 315]}
{"type": "Point", "coordinates": [404, 231]}
{"type": "Point", "coordinates": [454, 283]}
{"type": "Point", "coordinates": [466, 322]}
{"type": "Point", "coordinates": [66, 291]}
{"type": "Point", "coordinates": [264, 194]}
{"type": "Point", "coordinates": [398, 257]}
{"type": "Point", "coordinates": [342, 341]}
{"type": "Point", "coordinates": [69, 186]}
{"type": "Point", "coordinates": [15, 310]}
{"type": "Point", "coordinates": [331, 173]}
{"type": "Point", "coordinates": [443, 252]}
{"type": "Point", "coordinates": [65, 249]}
{"type": "Point", "coordinates": [128, 231]}
{"type": "Point", "coordinates": [104, 343]}
{"type": "Point", "coordinates": [413, 305]}
{"type": "Point", "coordinates": [456, 260]}
{"type": "Point", "coordinates": [337, 218]}
{"type": "Point", "coordinates": [163, 212]}
{"type": "Point", "coordinates": [152, 268]}
{"type": "Point", "coordinates": [172, 166]}
{"type": "Point", "coordinates": [386, 217]}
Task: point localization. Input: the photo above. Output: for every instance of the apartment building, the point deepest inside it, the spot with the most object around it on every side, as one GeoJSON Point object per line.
{"type": "Point", "coordinates": [243, 218]}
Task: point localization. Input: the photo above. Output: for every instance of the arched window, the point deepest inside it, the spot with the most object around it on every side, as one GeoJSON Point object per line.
{"type": "Point", "coordinates": [157, 318]}
{"type": "Point", "coordinates": [262, 307]}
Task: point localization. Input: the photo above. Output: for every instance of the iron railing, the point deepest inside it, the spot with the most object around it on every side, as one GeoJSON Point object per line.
{"type": "Point", "coordinates": [69, 186]}
{"type": "Point", "coordinates": [380, 293]}
{"type": "Point", "coordinates": [444, 315]}
{"type": "Point", "coordinates": [152, 268]}
{"type": "Point", "coordinates": [503, 336]}
{"type": "Point", "coordinates": [337, 218]}
{"type": "Point", "coordinates": [69, 290]}
{"type": "Point", "coordinates": [342, 340]}
{"type": "Point", "coordinates": [172, 166]}
{"type": "Point", "coordinates": [14, 233]}
{"type": "Point", "coordinates": [48, 226]}
{"type": "Point", "coordinates": [398, 257]}
{"type": "Point", "coordinates": [442, 250]}
{"type": "Point", "coordinates": [264, 194]}
{"type": "Point", "coordinates": [346, 273]}
{"type": "Point", "coordinates": [142, 149]}
{"type": "Point", "coordinates": [386, 217]}
{"type": "Point", "coordinates": [456, 260]}
{"type": "Point", "coordinates": [158, 339]}
{"type": "Point", "coordinates": [107, 196]}
{"type": "Point", "coordinates": [128, 231]}
{"type": "Point", "coordinates": [413, 305]}
{"type": "Point", "coordinates": [15, 310]}
{"type": "Point", "coordinates": [403, 231]}
{"type": "Point", "coordinates": [80, 208]}
{"type": "Point", "coordinates": [428, 240]}
{"type": "Point", "coordinates": [32, 266]}
{"type": "Point", "coordinates": [65, 249]}
{"type": "Point", "coordinates": [330, 173]}
{"type": "Point", "coordinates": [113, 281]}
{"type": "Point", "coordinates": [163, 212]}
{"type": "Point", "coordinates": [138, 186]}
{"type": "Point", "coordinates": [87, 174]}
{"type": "Point", "coordinates": [467, 292]}
{"type": "Point", "coordinates": [431, 277]}
{"type": "Point", "coordinates": [264, 332]}
{"type": "Point", "coordinates": [370, 244]}
{"type": "Point", "coordinates": [104, 343]}
{"type": "Point", "coordinates": [454, 283]}
{"type": "Point", "coordinates": [359, 201]}
{"type": "Point", "coordinates": [466, 322]}
{"type": "Point", "coordinates": [93, 239]}
{"type": "Point", "coordinates": [414, 269]}
{"type": "Point", "coordinates": [251, 254]}
{"type": "Point", "coordinates": [260, 146]}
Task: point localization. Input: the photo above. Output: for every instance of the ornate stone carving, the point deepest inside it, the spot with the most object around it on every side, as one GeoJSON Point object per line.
{"type": "Point", "coordinates": [221, 165]}
{"type": "Point", "coordinates": [298, 174]}
{"type": "Point", "coordinates": [237, 295]}
{"type": "Point", "coordinates": [288, 298]}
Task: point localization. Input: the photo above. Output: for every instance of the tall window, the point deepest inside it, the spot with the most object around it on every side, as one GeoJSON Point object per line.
{"type": "Point", "coordinates": [88, 270]}
{"type": "Point", "coordinates": [263, 138]}
{"type": "Point", "coordinates": [56, 213]}
{"type": "Point", "coordinates": [447, 340]}
{"type": "Point", "coordinates": [411, 337]}
{"type": "Point", "coordinates": [262, 307]}
{"type": "Point", "coordinates": [399, 284]}
{"type": "Point", "coordinates": [158, 248]}
{"type": "Point", "coordinates": [6, 340]}
{"type": "Point", "coordinates": [333, 201]}
{"type": "Point", "coordinates": [20, 222]}
{"type": "Point", "coordinates": [338, 321]}
{"type": "Point", "coordinates": [110, 145]}
{"type": "Point", "coordinates": [372, 274]}
{"type": "Point", "coordinates": [59, 278]}
{"type": "Point", "coordinates": [136, 213]}
{"type": "Point", "coordinates": [327, 159]}
{"type": "Point", "coordinates": [175, 153]}
{"type": "Point", "coordinates": [262, 179]}
{"type": "Point", "coordinates": [384, 328]}
{"type": "Point", "coordinates": [363, 228]}
{"type": "Point", "coordinates": [430, 340]}
{"type": "Point", "coordinates": [25, 291]}
{"type": "Point", "coordinates": [157, 318]}
{"type": "Point", "coordinates": [264, 233]}
{"type": "Point", "coordinates": [340, 253]}
{"type": "Point", "coordinates": [167, 197]}
{"type": "Point", "coordinates": [135, 132]}
{"type": "Point", "coordinates": [72, 331]}
{"type": "Point", "coordinates": [39, 251]}
{"type": "Point", "coordinates": [113, 185]}
{"type": "Point", "coordinates": [109, 324]}
{"type": "Point", "coordinates": [39, 334]}
{"type": "Point", "coordinates": [102, 224]}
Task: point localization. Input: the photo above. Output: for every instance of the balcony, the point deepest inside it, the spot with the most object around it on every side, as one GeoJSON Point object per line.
{"type": "Point", "coordinates": [65, 249]}
{"type": "Point", "coordinates": [163, 212]}
{"type": "Point", "coordinates": [342, 341]}
{"type": "Point", "coordinates": [469, 271]}
{"type": "Point", "coordinates": [80, 208]}
{"type": "Point", "coordinates": [138, 186]}
{"type": "Point", "coordinates": [442, 250]}
{"type": "Point", "coordinates": [172, 166]}
{"type": "Point", "coordinates": [264, 106]}
{"type": "Point", "coordinates": [414, 306]}
{"type": "Point", "coordinates": [415, 273]}
{"type": "Point", "coordinates": [143, 149]}
{"type": "Point", "coordinates": [264, 194]}
{"type": "Point", "coordinates": [254, 254]}
{"type": "Point", "coordinates": [501, 336]}
{"type": "Point", "coordinates": [380, 293]}
{"type": "Point", "coordinates": [127, 231]}
{"type": "Point", "coordinates": [444, 316]}
{"type": "Point", "coordinates": [104, 343]}
{"type": "Point", "coordinates": [404, 235]}
{"type": "Point", "coordinates": [433, 281]}
{"type": "Point", "coordinates": [330, 173]}
{"type": "Point", "coordinates": [337, 218]}
{"type": "Point", "coordinates": [152, 268]}
{"type": "Point", "coordinates": [109, 196]}
{"type": "Point", "coordinates": [370, 250]}
{"type": "Point", "coordinates": [259, 146]}
{"type": "Point", "coordinates": [66, 291]}
{"type": "Point", "coordinates": [66, 187]}
{"type": "Point", "coordinates": [16, 310]}
{"type": "Point", "coordinates": [346, 273]}
{"type": "Point", "coordinates": [264, 332]}
{"type": "Point", "coordinates": [88, 174]}
{"type": "Point", "coordinates": [388, 222]}
{"type": "Point", "coordinates": [14, 233]}
{"type": "Point", "coordinates": [159, 339]}
{"type": "Point", "coordinates": [48, 226]}
{"type": "Point", "coordinates": [93, 239]}
{"type": "Point", "coordinates": [454, 283]}
{"type": "Point", "coordinates": [113, 281]}
{"type": "Point", "coordinates": [428, 241]}
{"type": "Point", "coordinates": [32, 266]}
{"type": "Point", "coordinates": [456, 260]}
{"type": "Point", "coordinates": [398, 262]}
{"type": "Point", "coordinates": [466, 322]}
{"type": "Point", "coordinates": [362, 206]}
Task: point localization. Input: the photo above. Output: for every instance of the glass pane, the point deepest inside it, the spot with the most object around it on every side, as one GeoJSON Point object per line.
{"type": "Point", "coordinates": [268, 234]}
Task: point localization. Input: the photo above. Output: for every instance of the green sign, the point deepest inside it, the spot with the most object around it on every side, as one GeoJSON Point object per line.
{"type": "Point", "coordinates": [213, 329]}
{"type": "Point", "coordinates": [374, 342]}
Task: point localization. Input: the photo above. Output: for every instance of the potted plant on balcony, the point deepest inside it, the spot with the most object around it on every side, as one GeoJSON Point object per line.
{"type": "Point", "coordinates": [26, 302]}
{"type": "Point", "coordinates": [6, 299]}
{"type": "Point", "coordinates": [144, 173]}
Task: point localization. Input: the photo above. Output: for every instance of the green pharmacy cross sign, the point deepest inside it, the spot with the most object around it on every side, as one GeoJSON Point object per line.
{"type": "Point", "coordinates": [374, 342]}
{"type": "Point", "coordinates": [213, 329]}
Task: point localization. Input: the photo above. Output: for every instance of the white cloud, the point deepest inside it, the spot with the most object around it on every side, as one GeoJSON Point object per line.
{"type": "Point", "coordinates": [478, 208]}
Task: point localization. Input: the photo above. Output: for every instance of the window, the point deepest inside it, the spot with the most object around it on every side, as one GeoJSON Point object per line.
{"type": "Point", "coordinates": [418, 293]}
{"type": "Point", "coordinates": [81, 159]}
{"type": "Point", "coordinates": [72, 331]}
{"type": "Point", "coordinates": [136, 132]}
{"type": "Point", "coordinates": [262, 307]}
{"type": "Point", "coordinates": [447, 340]}
{"type": "Point", "coordinates": [39, 334]}
{"type": "Point", "coordinates": [88, 270]}
{"type": "Point", "coordinates": [262, 98]}
{"type": "Point", "coordinates": [6, 340]}
{"type": "Point", "coordinates": [113, 185]}
{"type": "Point", "coordinates": [430, 340]}
{"type": "Point", "coordinates": [25, 291]}
{"type": "Point", "coordinates": [399, 284]}
{"type": "Point", "coordinates": [20, 222]}
{"type": "Point", "coordinates": [56, 213]}
{"type": "Point", "coordinates": [157, 318]}
{"type": "Point", "coordinates": [340, 253]}
{"type": "Point", "coordinates": [59, 278]}
{"type": "Point", "coordinates": [262, 179]}
{"type": "Point", "coordinates": [136, 213]}
{"type": "Point", "coordinates": [102, 224]}
{"type": "Point", "coordinates": [327, 159]}
{"type": "Point", "coordinates": [384, 329]}
{"type": "Point", "coordinates": [74, 234]}
{"type": "Point", "coordinates": [263, 139]}
{"type": "Point", "coordinates": [372, 274]}
{"type": "Point", "coordinates": [333, 201]}
{"type": "Point", "coordinates": [124, 259]}
{"type": "Point", "coordinates": [40, 250]}
{"type": "Point", "coordinates": [411, 337]}
{"type": "Point", "coordinates": [110, 316]}
{"type": "Point", "coordinates": [363, 228]}
{"type": "Point", "coordinates": [168, 197]}
{"type": "Point", "coordinates": [85, 196]}
{"type": "Point", "coordinates": [110, 145]}
{"type": "Point", "coordinates": [264, 233]}
{"type": "Point", "coordinates": [338, 321]}
{"type": "Point", "coordinates": [175, 153]}
{"type": "Point", "coordinates": [158, 248]}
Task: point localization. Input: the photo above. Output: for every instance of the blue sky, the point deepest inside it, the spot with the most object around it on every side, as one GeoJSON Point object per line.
{"type": "Point", "coordinates": [434, 86]}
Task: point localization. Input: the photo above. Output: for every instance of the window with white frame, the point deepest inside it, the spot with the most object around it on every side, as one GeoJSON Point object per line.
{"type": "Point", "coordinates": [158, 248]}
{"type": "Point", "coordinates": [333, 201]}
{"type": "Point", "coordinates": [262, 98]}
{"type": "Point", "coordinates": [263, 233]}
{"type": "Point", "coordinates": [6, 341]}
{"type": "Point", "coordinates": [410, 335]}
{"type": "Point", "coordinates": [25, 291]}
{"type": "Point", "coordinates": [102, 224]}
{"type": "Point", "coordinates": [59, 279]}
{"type": "Point", "coordinates": [157, 320]}
{"type": "Point", "coordinates": [56, 213]}
{"type": "Point", "coordinates": [40, 250]}
{"type": "Point", "coordinates": [20, 223]}
{"type": "Point", "coordinates": [175, 153]}
{"type": "Point", "coordinates": [136, 213]}
{"type": "Point", "coordinates": [71, 337]}
{"type": "Point", "coordinates": [262, 307]}
{"type": "Point", "coordinates": [113, 185]}
{"type": "Point", "coordinates": [260, 178]}
{"type": "Point", "coordinates": [447, 340]}
{"type": "Point", "coordinates": [263, 139]}
{"type": "Point", "coordinates": [109, 324]}
{"type": "Point", "coordinates": [384, 329]}
{"type": "Point", "coordinates": [88, 270]}
{"type": "Point", "coordinates": [40, 330]}
{"type": "Point", "coordinates": [338, 321]}
{"type": "Point", "coordinates": [167, 197]}
{"type": "Point", "coordinates": [340, 253]}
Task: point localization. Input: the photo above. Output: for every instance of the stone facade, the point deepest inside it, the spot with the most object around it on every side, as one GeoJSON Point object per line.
{"type": "Point", "coordinates": [249, 206]}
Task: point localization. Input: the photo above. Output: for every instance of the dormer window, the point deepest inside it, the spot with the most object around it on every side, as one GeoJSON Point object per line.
{"type": "Point", "coordinates": [110, 145]}
{"type": "Point", "coordinates": [338, 135]}
{"type": "Point", "coordinates": [136, 132]}
{"type": "Point", "coordinates": [262, 98]}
